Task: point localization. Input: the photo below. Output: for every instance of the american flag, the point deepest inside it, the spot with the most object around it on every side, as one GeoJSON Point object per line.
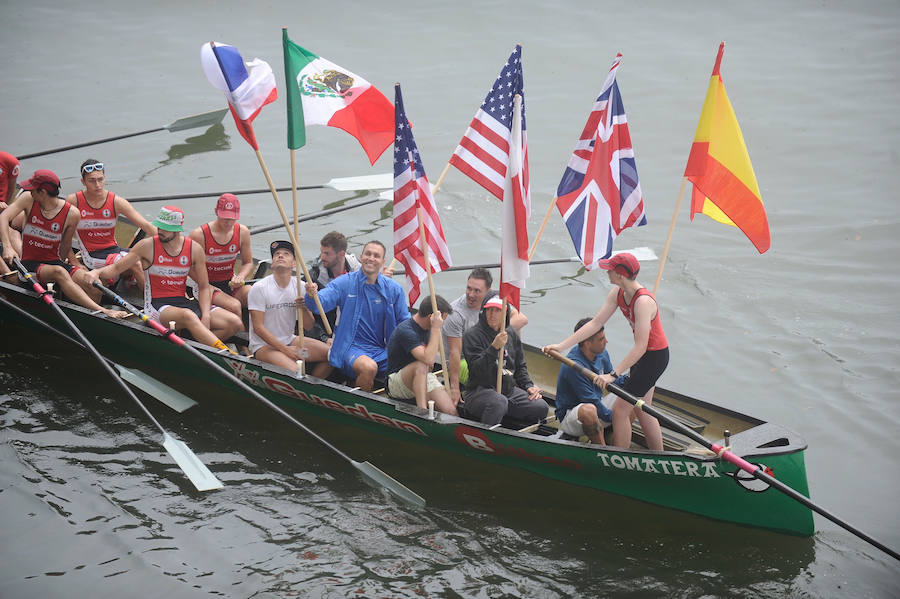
{"type": "Point", "coordinates": [483, 152]}
{"type": "Point", "coordinates": [411, 192]}
{"type": "Point", "coordinates": [599, 194]}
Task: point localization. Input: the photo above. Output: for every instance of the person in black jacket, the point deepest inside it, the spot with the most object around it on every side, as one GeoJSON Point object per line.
{"type": "Point", "coordinates": [520, 402]}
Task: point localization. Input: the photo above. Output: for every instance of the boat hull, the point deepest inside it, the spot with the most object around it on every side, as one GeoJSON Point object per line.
{"type": "Point", "coordinates": [693, 481]}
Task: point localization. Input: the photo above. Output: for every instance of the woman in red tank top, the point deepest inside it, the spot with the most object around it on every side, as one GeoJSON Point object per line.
{"type": "Point", "coordinates": [647, 358]}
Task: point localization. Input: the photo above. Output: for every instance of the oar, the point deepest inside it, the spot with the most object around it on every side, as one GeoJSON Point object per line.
{"type": "Point", "coordinates": [641, 253]}
{"type": "Point", "coordinates": [360, 183]}
{"type": "Point", "coordinates": [314, 215]}
{"type": "Point", "coordinates": [143, 381]}
{"type": "Point", "coordinates": [189, 122]}
{"type": "Point", "coordinates": [723, 453]}
{"type": "Point", "coordinates": [369, 471]}
{"type": "Point", "coordinates": [189, 463]}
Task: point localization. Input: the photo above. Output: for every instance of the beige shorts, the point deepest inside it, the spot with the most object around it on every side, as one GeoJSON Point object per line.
{"type": "Point", "coordinates": [398, 390]}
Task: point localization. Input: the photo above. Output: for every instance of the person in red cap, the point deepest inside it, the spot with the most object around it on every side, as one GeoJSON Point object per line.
{"type": "Point", "coordinates": [222, 241]}
{"type": "Point", "coordinates": [169, 259]}
{"type": "Point", "coordinates": [647, 359]}
{"type": "Point", "coordinates": [99, 210]}
{"type": "Point", "coordinates": [9, 172]}
{"type": "Point", "coordinates": [47, 236]}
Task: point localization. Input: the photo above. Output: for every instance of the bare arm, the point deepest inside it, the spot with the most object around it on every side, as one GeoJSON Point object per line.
{"type": "Point", "coordinates": [21, 203]}
{"type": "Point", "coordinates": [427, 353]}
{"type": "Point", "coordinates": [65, 244]}
{"type": "Point", "coordinates": [644, 312]}
{"type": "Point", "coordinates": [124, 208]}
{"type": "Point", "coordinates": [607, 310]}
{"type": "Point", "coordinates": [455, 344]}
{"type": "Point", "coordinates": [141, 252]}
{"type": "Point", "coordinates": [246, 259]}
{"type": "Point", "coordinates": [258, 318]}
{"type": "Point", "coordinates": [517, 320]}
{"type": "Point", "coordinates": [198, 273]}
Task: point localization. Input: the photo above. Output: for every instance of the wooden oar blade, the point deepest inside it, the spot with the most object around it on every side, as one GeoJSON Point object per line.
{"type": "Point", "coordinates": [373, 474]}
{"type": "Point", "coordinates": [190, 464]}
{"type": "Point", "coordinates": [381, 181]}
{"type": "Point", "coordinates": [197, 120]}
{"type": "Point", "coordinates": [174, 399]}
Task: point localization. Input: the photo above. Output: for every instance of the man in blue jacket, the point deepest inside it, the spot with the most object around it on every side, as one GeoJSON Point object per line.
{"type": "Point", "coordinates": [579, 408]}
{"type": "Point", "coordinates": [371, 306]}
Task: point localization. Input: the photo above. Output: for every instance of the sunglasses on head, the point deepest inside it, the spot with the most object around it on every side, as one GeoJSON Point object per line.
{"type": "Point", "coordinates": [90, 168]}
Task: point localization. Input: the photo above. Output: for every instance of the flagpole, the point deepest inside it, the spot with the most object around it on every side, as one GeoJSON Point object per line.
{"type": "Point", "coordinates": [502, 349]}
{"type": "Point", "coordinates": [434, 308]}
{"type": "Point", "coordinates": [441, 178]}
{"type": "Point", "coordinates": [296, 247]}
{"type": "Point", "coordinates": [541, 230]}
{"type": "Point", "coordinates": [665, 252]}
{"type": "Point", "coordinates": [287, 225]}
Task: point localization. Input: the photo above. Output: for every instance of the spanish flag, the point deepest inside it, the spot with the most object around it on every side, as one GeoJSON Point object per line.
{"type": "Point", "coordinates": [719, 168]}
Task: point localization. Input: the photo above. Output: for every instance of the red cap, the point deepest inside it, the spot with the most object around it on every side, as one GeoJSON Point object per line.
{"type": "Point", "coordinates": [228, 206]}
{"type": "Point", "coordinates": [43, 179]}
{"type": "Point", "coordinates": [493, 302]}
{"type": "Point", "coordinates": [624, 263]}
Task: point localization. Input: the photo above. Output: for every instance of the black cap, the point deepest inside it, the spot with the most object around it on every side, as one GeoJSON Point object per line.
{"type": "Point", "coordinates": [281, 244]}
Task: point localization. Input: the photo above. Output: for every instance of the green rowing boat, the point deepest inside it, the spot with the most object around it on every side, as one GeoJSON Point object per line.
{"type": "Point", "coordinates": [685, 476]}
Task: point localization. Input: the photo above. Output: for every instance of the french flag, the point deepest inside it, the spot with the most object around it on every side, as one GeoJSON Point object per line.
{"type": "Point", "coordinates": [247, 87]}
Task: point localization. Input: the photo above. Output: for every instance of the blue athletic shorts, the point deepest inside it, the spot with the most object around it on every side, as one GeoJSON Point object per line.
{"type": "Point", "coordinates": [377, 354]}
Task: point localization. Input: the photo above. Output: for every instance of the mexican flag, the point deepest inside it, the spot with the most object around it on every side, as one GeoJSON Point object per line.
{"type": "Point", "coordinates": [321, 93]}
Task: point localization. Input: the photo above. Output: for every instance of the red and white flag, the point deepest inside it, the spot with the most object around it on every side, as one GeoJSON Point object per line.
{"type": "Point", "coordinates": [412, 192]}
{"type": "Point", "coordinates": [516, 212]}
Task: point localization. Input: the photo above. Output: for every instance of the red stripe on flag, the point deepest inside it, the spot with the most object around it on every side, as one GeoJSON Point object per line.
{"type": "Point", "coordinates": [696, 164]}
{"type": "Point", "coordinates": [473, 173]}
{"type": "Point", "coordinates": [736, 200]}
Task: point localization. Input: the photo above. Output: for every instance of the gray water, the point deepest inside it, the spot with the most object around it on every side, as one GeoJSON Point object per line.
{"type": "Point", "coordinates": [804, 335]}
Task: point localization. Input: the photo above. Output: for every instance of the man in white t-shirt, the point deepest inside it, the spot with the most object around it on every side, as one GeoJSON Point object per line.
{"type": "Point", "coordinates": [466, 309]}
{"type": "Point", "coordinates": [273, 315]}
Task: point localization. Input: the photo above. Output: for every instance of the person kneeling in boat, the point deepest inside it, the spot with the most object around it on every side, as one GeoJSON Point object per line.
{"type": "Point", "coordinates": [222, 241]}
{"type": "Point", "coordinates": [411, 352]}
{"type": "Point", "coordinates": [96, 232]}
{"type": "Point", "coordinates": [273, 304]}
{"type": "Point", "coordinates": [519, 402]}
{"type": "Point", "coordinates": [579, 403]}
{"type": "Point", "coordinates": [647, 359]}
{"type": "Point", "coordinates": [47, 237]}
{"type": "Point", "coordinates": [372, 305]}
{"type": "Point", "coordinates": [169, 258]}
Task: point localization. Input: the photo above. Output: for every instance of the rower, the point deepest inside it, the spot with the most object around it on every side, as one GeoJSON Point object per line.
{"type": "Point", "coordinates": [222, 241]}
{"type": "Point", "coordinates": [99, 210]}
{"type": "Point", "coordinates": [169, 258]}
{"type": "Point", "coordinates": [47, 236]}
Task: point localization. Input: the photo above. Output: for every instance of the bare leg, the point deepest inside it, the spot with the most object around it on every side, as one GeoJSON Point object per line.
{"type": "Point", "coordinates": [650, 425]}
{"type": "Point", "coordinates": [50, 273]}
{"type": "Point", "coordinates": [623, 414]}
{"type": "Point", "coordinates": [442, 401]}
{"type": "Point", "coordinates": [224, 324]}
{"type": "Point", "coordinates": [366, 369]}
{"type": "Point", "coordinates": [223, 300]}
{"type": "Point", "coordinates": [186, 319]}
{"type": "Point", "coordinates": [590, 422]}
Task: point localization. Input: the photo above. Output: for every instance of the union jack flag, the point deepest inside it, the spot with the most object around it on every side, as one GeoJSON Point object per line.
{"type": "Point", "coordinates": [600, 194]}
{"type": "Point", "coordinates": [483, 152]}
{"type": "Point", "coordinates": [412, 192]}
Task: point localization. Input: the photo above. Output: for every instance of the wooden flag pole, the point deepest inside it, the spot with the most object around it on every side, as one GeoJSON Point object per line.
{"type": "Point", "coordinates": [541, 230]}
{"type": "Point", "coordinates": [434, 308]}
{"type": "Point", "coordinates": [303, 352]}
{"type": "Point", "coordinates": [290, 232]}
{"type": "Point", "coordinates": [441, 179]}
{"type": "Point", "coordinates": [665, 252]}
{"type": "Point", "coordinates": [502, 349]}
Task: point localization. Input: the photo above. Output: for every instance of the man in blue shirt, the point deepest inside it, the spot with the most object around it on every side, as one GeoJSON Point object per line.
{"type": "Point", "coordinates": [372, 305]}
{"type": "Point", "coordinates": [579, 408]}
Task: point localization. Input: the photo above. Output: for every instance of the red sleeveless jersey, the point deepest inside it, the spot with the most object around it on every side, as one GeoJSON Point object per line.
{"type": "Point", "coordinates": [167, 276]}
{"type": "Point", "coordinates": [657, 339]}
{"type": "Point", "coordinates": [97, 227]}
{"type": "Point", "coordinates": [41, 236]}
{"type": "Point", "coordinates": [220, 258]}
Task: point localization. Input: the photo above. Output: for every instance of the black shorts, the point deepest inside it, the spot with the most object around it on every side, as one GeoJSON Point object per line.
{"type": "Point", "coordinates": [644, 374]}
{"type": "Point", "coordinates": [175, 302]}
{"type": "Point", "coordinates": [35, 267]}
